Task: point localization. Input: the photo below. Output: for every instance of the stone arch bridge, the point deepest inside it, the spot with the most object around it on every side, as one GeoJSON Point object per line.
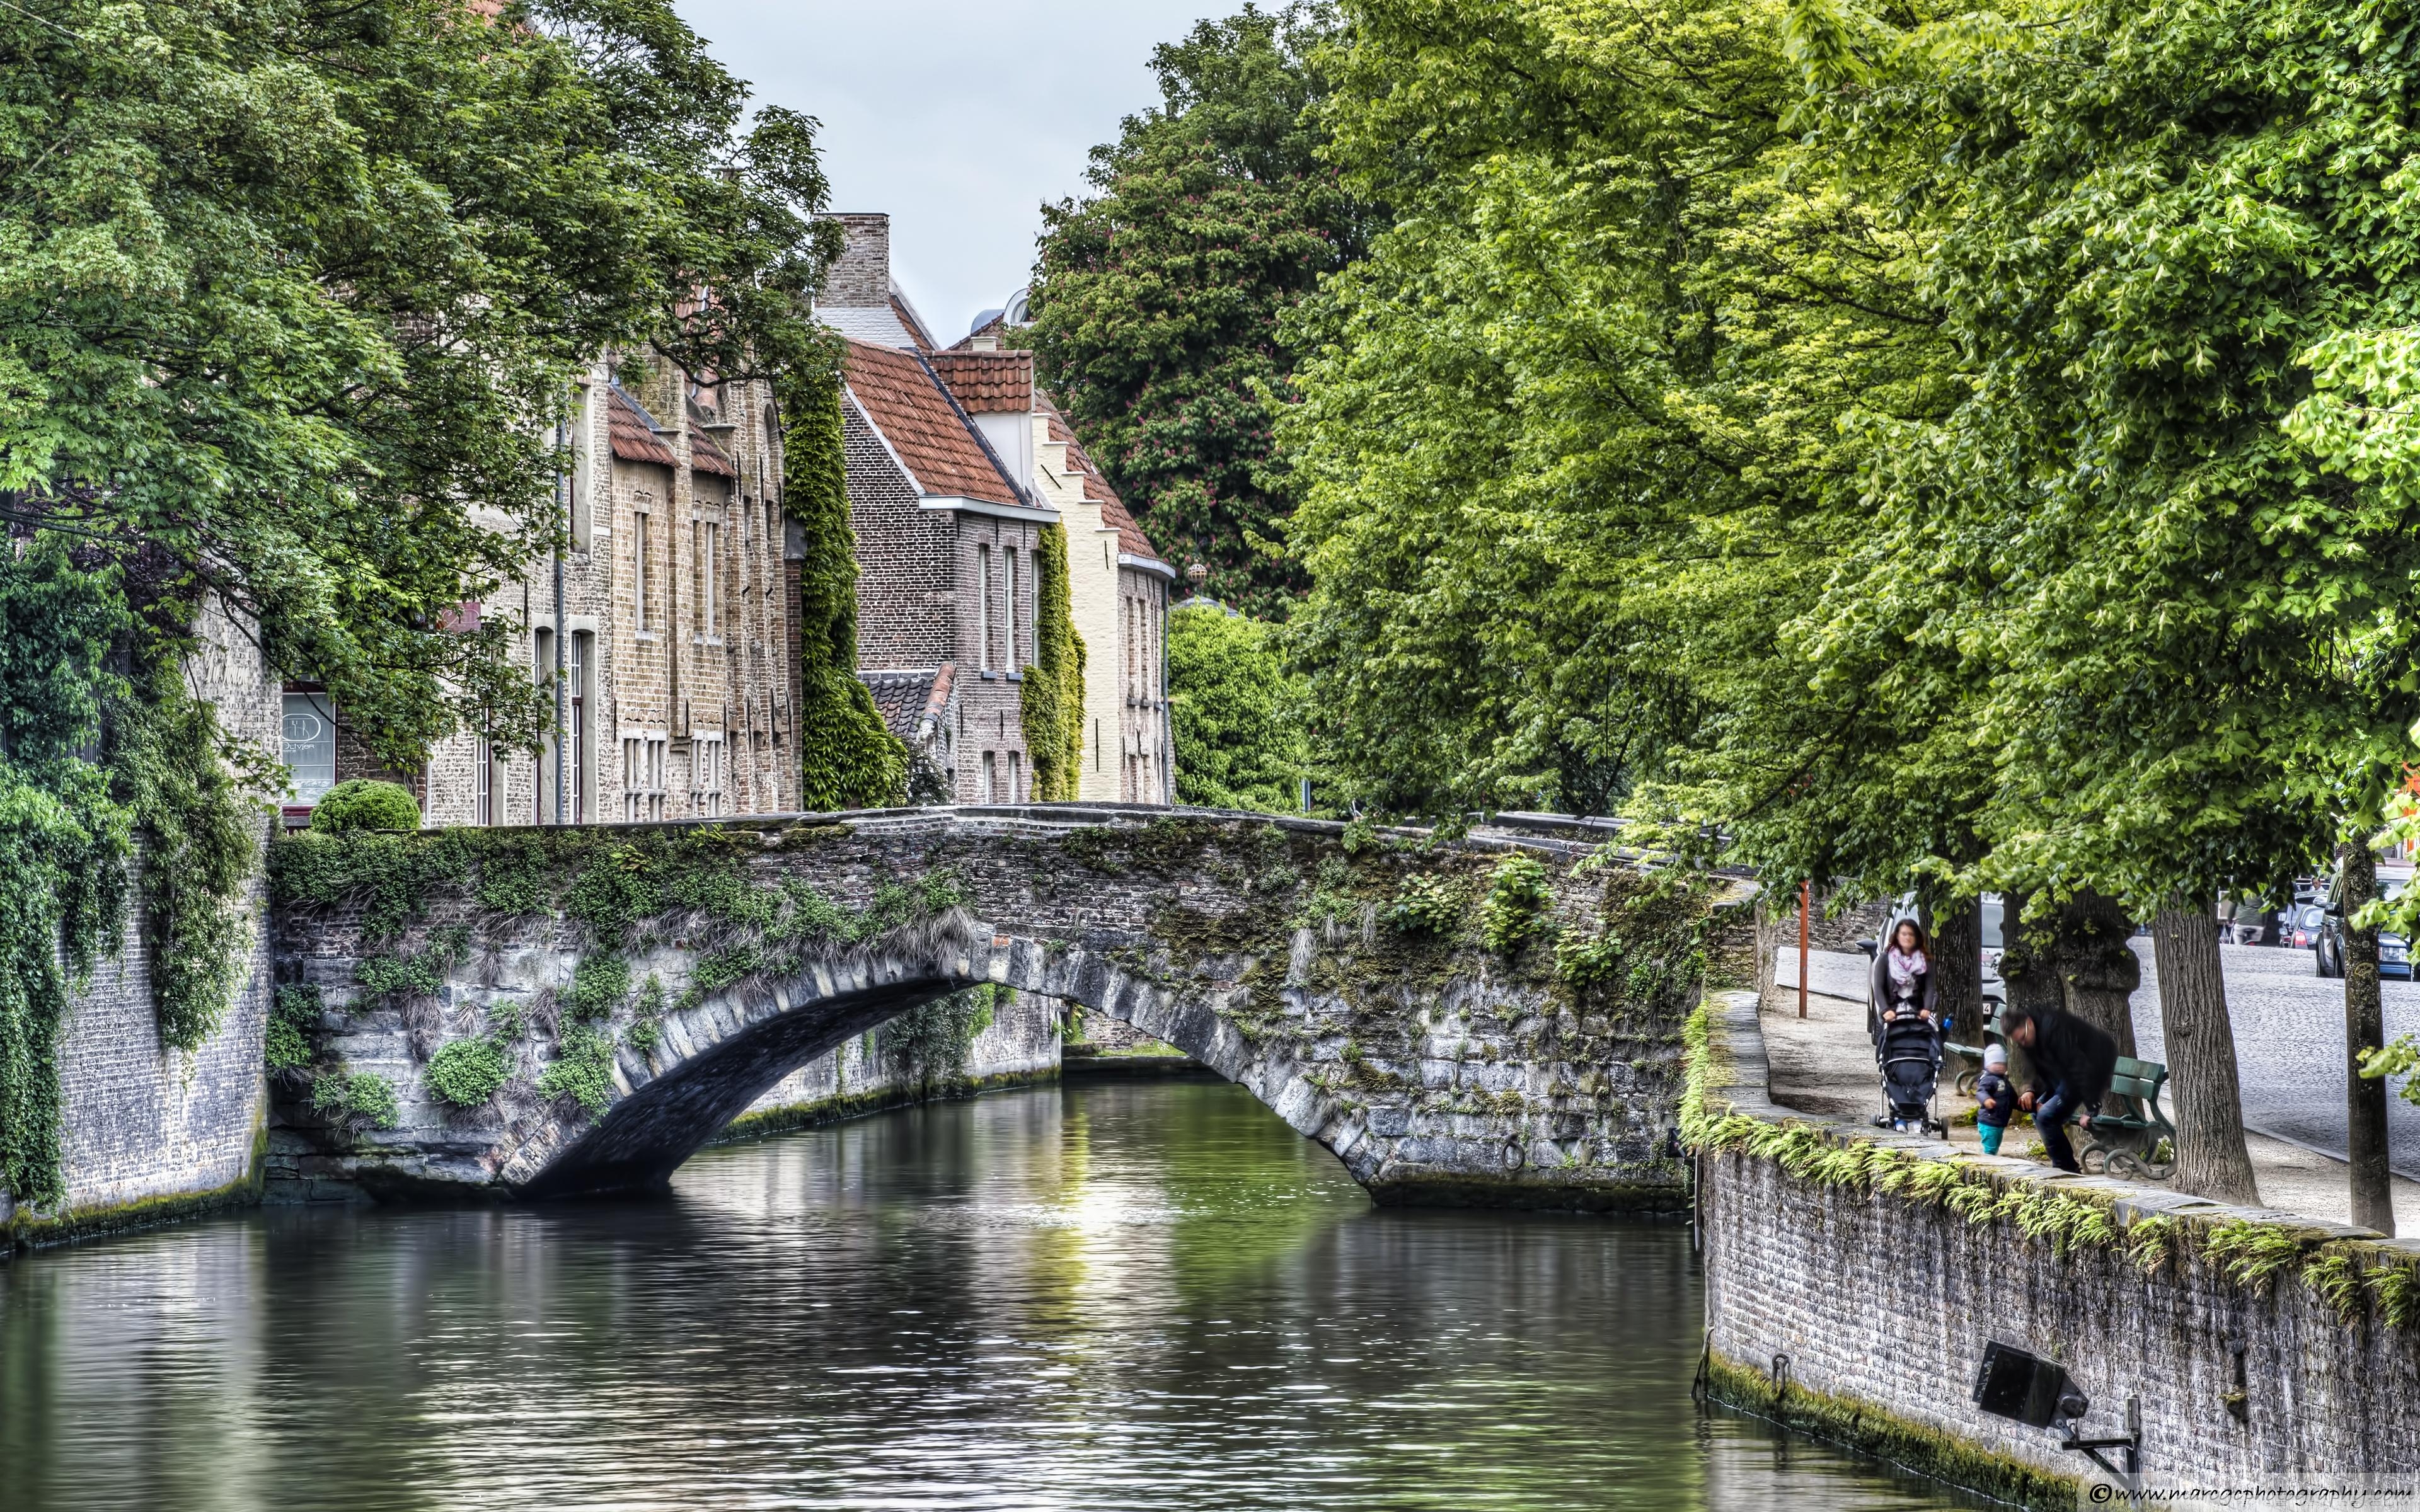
{"type": "Point", "coordinates": [1346, 981]}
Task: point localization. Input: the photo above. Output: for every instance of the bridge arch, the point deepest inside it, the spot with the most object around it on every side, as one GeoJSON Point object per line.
{"type": "Point", "coordinates": [1434, 1067]}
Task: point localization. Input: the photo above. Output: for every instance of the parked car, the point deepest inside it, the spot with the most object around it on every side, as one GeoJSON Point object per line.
{"type": "Point", "coordinates": [2303, 929]}
{"type": "Point", "coordinates": [2394, 950]}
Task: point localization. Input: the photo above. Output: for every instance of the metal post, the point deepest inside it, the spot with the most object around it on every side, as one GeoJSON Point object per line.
{"type": "Point", "coordinates": [1805, 904]}
{"type": "Point", "coordinates": [562, 639]}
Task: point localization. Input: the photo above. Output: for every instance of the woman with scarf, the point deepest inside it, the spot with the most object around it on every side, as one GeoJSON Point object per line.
{"type": "Point", "coordinates": [1905, 984]}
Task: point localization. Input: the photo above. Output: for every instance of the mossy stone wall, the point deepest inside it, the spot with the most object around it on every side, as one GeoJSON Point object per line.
{"type": "Point", "coordinates": [1274, 951]}
{"type": "Point", "coordinates": [1852, 1298]}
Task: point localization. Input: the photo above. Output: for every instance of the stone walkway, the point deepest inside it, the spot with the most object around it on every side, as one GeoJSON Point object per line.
{"type": "Point", "coordinates": [1824, 1064]}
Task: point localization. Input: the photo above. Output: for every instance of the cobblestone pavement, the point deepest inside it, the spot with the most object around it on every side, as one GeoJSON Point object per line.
{"type": "Point", "coordinates": [2289, 1046]}
{"type": "Point", "coordinates": [2288, 1038]}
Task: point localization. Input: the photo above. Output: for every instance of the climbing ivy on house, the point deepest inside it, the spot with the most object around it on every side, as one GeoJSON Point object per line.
{"type": "Point", "coordinates": [101, 746]}
{"type": "Point", "coordinates": [1053, 697]}
{"type": "Point", "coordinates": [847, 758]}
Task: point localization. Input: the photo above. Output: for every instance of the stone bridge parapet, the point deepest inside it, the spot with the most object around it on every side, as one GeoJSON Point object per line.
{"type": "Point", "coordinates": [1457, 1028]}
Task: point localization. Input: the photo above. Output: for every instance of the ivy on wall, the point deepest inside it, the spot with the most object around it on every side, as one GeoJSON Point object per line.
{"type": "Point", "coordinates": [1053, 698]}
{"type": "Point", "coordinates": [2349, 1275]}
{"type": "Point", "coordinates": [847, 758]}
{"type": "Point", "coordinates": [100, 743]}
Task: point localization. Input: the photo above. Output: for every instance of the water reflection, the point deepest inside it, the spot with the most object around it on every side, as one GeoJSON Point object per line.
{"type": "Point", "coordinates": [1111, 1296]}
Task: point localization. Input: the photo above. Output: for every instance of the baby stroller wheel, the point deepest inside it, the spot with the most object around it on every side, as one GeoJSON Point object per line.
{"type": "Point", "coordinates": [1937, 1127]}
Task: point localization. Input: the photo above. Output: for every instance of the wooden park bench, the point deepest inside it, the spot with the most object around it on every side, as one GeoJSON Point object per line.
{"type": "Point", "coordinates": [1969, 1063]}
{"type": "Point", "coordinates": [2127, 1137]}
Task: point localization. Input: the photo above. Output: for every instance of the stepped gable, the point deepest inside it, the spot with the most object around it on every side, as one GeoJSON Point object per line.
{"type": "Point", "coordinates": [987, 383]}
{"type": "Point", "coordinates": [634, 434]}
{"type": "Point", "coordinates": [1131, 540]}
{"type": "Point", "coordinates": [915, 417]}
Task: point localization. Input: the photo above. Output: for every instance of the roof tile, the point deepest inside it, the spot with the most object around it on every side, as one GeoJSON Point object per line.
{"type": "Point", "coordinates": [915, 417]}
{"type": "Point", "coordinates": [989, 383]}
{"type": "Point", "coordinates": [634, 434]}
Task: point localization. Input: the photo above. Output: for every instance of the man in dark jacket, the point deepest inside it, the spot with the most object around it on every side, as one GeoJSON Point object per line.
{"type": "Point", "coordinates": [2072, 1064]}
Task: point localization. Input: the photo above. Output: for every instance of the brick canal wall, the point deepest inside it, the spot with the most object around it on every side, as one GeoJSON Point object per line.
{"type": "Point", "coordinates": [148, 1132]}
{"type": "Point", "coordinates": [1857, 1305]}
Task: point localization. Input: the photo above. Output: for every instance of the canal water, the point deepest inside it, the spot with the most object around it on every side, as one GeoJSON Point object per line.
{"type": "Point", "coordinates": [1107, 1295]}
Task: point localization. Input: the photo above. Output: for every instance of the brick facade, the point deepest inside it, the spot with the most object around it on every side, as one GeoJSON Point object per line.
{"type": "Point", "coordinates": [680, 671]}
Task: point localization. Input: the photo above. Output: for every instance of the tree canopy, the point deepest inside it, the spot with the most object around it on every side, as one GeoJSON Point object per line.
{"type": "Point", "coordinates": [1157, 300]}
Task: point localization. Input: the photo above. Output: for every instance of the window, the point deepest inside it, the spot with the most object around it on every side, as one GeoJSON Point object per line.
{"type": "Point", "coordinates": [1015, 777]}
{"type": "Point", "coordinates": [1098, 755]}
{"type": "Point", "coordinates": [982, 618]}
{"type": "Point", "coordinates": [576, 723]}
{"type": "Point", "coordinates": [638, 570]}
{"type": "Point", "coordinates": [990, 778]}
{"type": "Point", "coordinates": [483, 781]}
{"type": "Point", "coordinates": [542, 671]}
{"type": "Point", "coordinates": [583, 519]}
{"type": "Point", "coordinates": [308, 744]}
{"type": "Point", "coordinates": [707, 609]}
{"type": "Point", "coordinates": [709, 773]}
{"type": "Point", "coordinates": [643, 778]}
{"type": "Point", "coordinates": [1008, 608]}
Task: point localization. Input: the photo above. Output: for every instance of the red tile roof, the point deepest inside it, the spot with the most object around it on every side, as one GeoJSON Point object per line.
{"type": "Point", "coordinates": [1131, 540]}
{"type": "Point", "coordinates": [706, 455]}
{"type": "Point", "coordinates": [635, 436]}
{"type": "Point", "coordinates": [916, 418]}
{"type": "Point", "coordinates": [989, 383]}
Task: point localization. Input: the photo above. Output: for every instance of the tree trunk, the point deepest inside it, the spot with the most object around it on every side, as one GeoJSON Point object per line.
{"type": "Point", "coordinates": [2025, 974]}
{"type": "Point", "coordinates": [1958, 955]}
{"type": "Point", "coordinates": [2373, 1205]}
{"type": "Point", "coordinates": [2097, 969]}
{"type": "Point", "coordinates": [2212, 1160]}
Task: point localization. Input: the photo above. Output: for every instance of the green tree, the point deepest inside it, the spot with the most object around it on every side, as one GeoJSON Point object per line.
{"type": "Point", "coordinates": [1235, 713]}
{"type": "Point", "coordinates": [1570, 443]}
{"type": "Point", "coordinates": [288, 290]}
{"type": "Point", "coordinates": [1157, 300]}
{"type": "Point", "coordinates": [288, 280]}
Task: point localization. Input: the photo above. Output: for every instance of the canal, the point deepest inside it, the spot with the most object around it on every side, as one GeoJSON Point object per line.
{"type": "Point", "coordinates": [1102, 1295]}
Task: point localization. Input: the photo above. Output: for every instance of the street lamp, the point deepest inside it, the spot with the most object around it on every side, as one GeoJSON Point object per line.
{"type": "Point", "coordinates": [2040, 1394]}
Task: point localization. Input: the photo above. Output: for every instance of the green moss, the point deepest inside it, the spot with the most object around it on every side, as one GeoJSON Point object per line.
{"type": "Point", "coordinates": [1515, 908]}
{"type": "Point", "coordinates": [599, 984]}
{"type": "Point", "coordinates": [582, 1071]}
{"type": "Point", "coordinates": [293, 1018]}
{"type": "Point", "coordinates": [1427, 904]}
{"type": "Point", "coordinates": [466, 1072]}
{"type": "Point", "coordinates": [1871, 1430]}
{"type": "Point", "coordinates": [358, 1100]}
{"type": "Point", "coordinates": [382, 976]}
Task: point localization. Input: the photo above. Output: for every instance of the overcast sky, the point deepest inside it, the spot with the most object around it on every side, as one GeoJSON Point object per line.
{"type": "Point", "coordinates": [960, 117]}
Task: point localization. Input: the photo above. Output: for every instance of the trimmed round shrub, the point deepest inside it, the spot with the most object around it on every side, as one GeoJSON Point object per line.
{"type": "Point", "coordinates": [466, 1072]}
{"type": "Point", "coordinates": [362, 803]}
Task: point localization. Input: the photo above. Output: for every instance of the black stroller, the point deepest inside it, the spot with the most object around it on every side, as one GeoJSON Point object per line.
{"type": "Point", "coordinates": [1908, 1050]}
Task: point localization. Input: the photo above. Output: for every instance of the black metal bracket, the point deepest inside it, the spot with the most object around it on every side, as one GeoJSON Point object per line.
{"type": "Point", "coordinates": [2132, 1476]}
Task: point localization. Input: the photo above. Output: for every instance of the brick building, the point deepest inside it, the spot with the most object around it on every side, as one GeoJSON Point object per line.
{"type": "Point", "coordinates": [676, 653]}
{"type": "Point", "coordinates": [956, 460]}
